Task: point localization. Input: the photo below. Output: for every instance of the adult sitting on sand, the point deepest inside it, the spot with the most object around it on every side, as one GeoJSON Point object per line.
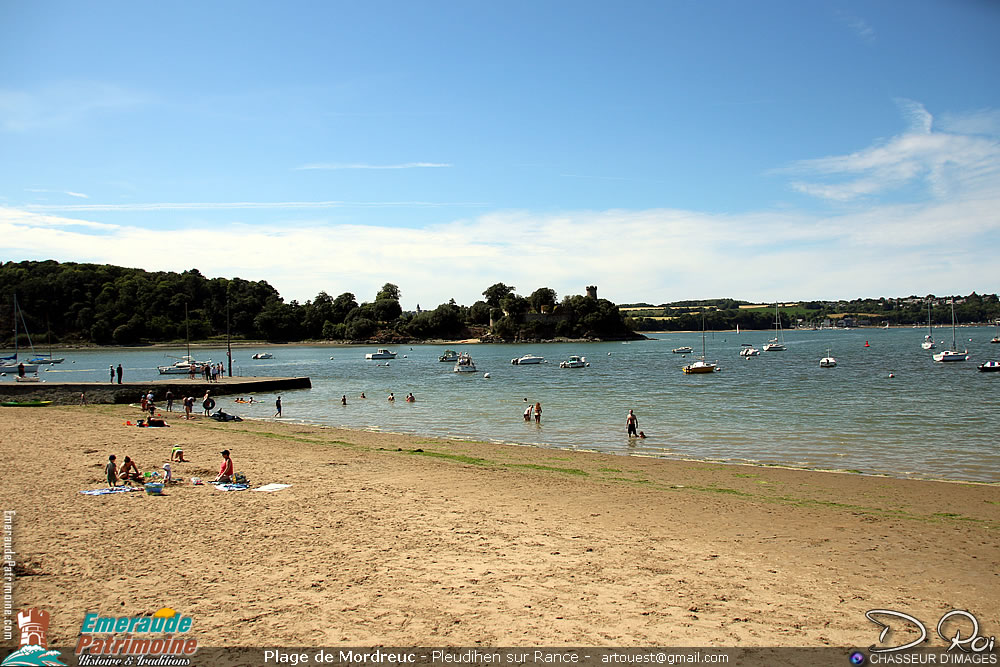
{"type": "Point", "coordinates": [129, 471]}
{"type": "Point", "coordinates": [225, 469]}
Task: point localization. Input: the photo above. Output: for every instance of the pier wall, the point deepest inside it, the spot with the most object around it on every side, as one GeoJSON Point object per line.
{"type": "Point", "coordinates": [68, 393]}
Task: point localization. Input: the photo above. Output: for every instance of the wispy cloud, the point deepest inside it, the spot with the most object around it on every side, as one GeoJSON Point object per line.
{"type": "Point", "coordinates": [62, 104]}
{"type": "Point", "coordinates": [218, 206]}
{"type": "Point", "coordinates": [945, 163]}
{"type": "Point", "coordinates": [62, 192]}
{"type": "Point", "coordinates": [861, 28]}
{"type": "Point", "coordinates": [404, 165]}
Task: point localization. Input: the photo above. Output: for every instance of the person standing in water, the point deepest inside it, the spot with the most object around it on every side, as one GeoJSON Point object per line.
{"type": "Point", "coordinates": [538, 413]}
{"type": "Point", "coordinates": [631, 424]}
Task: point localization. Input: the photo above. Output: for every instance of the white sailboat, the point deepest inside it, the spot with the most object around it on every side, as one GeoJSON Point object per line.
{"type": "Point", "coordinates": [701, 366]}
{"type": "Point", "coordinates": [928, 343]}
{"type": "Point", "coordinates": [10, 363]}
{"type": "Point", "coordinates": [953, 354]}
{"type": "Point", "coordinates": [776, 344]}
{"type": "Point", "coordinates": [828, 361]}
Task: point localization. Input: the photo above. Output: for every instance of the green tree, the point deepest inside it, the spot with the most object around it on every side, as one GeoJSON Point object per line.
{"type": "Point", "coordinates": [388, 291]}
{"type": "Point", "coordinates": [497, 293]}
{"type": "Point", "coordinates": [543, 296]}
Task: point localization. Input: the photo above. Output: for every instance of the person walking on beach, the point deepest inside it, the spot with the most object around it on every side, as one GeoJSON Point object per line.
{"type": "Point", "coordinates": [538, 413]}
{"type": "Point", "coordinates": [120, 370]}
{"type": "Point", "coordinates": [277, 406]}
{"type": "Point", "coordinates": [631, 424]}
{"type": "Point", "coordinates": [188, 406]}
{"type": "Point", "coordinates": [208, 403]}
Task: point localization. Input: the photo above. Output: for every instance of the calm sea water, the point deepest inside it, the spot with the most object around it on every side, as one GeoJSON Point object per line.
{"type": "Point", "coordinates": [931, 420]}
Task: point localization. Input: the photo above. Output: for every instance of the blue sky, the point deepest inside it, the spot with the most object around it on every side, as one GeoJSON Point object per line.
{"type": "Point", "coordinates": [660, 150]}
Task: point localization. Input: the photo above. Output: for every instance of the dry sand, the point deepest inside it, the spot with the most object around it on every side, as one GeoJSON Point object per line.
{"type": "Point", "coordinates": [390, 540]}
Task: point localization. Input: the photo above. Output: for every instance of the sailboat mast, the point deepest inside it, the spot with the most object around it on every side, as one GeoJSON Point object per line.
{"type": "Point", "coordinates": [187, 331]}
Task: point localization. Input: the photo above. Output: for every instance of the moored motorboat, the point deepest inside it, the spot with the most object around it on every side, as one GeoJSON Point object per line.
{"type": "Point", "coordinates": [449, 356]}
{"type": "Point", "coordinates": [989, 367]}
{"type": "Point", "coordinates": [527, 359]}
{"type": "Point", "coordinates": [464, 364]}
{"type": "Point", "coordinates": [263, 355]}
{"type": "Point", "coordinates": [574, 362]}
{"type": "Point", "coordinates": [682, 350]}
{"type": "Point", "coordinates": [749, 351]}
{"type": "Point", "coordinates": [381, 354]}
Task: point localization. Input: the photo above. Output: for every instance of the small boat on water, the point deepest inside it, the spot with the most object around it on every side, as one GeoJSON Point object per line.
{"type": "Point", "coordinates": [381, 354]}
{"type": "Point", "coordinates": [10, 363]}
{"type": "Point", "coordinates": [574, 362]}
{"type": "Point", "coordinates": [28, 378]}
{"type": "Point", "coordinates": [996, 336]}
{"type": "Point", "coordinates": [953, 354]}
{"type": "Point", "coordinates": [450, 356]}
{"type": "Point", "coordinates": [528, 359]}
{"type": "Point", "coordinates": [828, 361]}
{"type": "Point", "coordinates": [701, 366]}
{"type": "Point", "coordinates": [749, 351]}
{"type": "Point", "coordinates": [928, 343]}
{"type": "Point", "coordinates": [184, 366]}
{"type": "Point", "coordinates": [464, 364]}
{"type": "Point", "coordinates": [682, 350]}
{"type": "Point", "coordinates": [989, 367]}
{"type": "Point", "coordinates": [263, 355]}
{"type": "Point", "coordinates": [776, 344]}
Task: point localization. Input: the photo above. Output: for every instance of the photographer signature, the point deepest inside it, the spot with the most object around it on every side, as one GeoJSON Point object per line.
{"type": "Point", "coordinates": [971, 643]}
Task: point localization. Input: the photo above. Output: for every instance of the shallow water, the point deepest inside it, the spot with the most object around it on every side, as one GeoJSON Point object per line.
{"type": "Point", "coordinates": [931, 420]}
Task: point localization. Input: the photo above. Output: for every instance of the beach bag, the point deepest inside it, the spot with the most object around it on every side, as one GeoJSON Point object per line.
{"type": "Point", "coordinates": [239, 478]}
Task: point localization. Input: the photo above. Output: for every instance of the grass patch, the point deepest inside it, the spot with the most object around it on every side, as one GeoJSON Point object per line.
{"type": "Point", "coordinates": [619, 470]}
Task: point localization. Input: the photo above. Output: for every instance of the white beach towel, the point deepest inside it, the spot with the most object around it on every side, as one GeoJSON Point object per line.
{"type": "Point", "coordinates": [272, 487]}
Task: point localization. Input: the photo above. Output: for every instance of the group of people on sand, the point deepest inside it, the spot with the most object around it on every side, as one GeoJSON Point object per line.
{"type": "Point", "coordinates": [129, 472]}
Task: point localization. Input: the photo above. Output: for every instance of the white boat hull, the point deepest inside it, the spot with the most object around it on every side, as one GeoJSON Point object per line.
{"type": "Point", "coordinates": [28, 368]}
{"type": "Point", "coordinates": [827, 362]}
{"type": "Point", "coordinates": [948, 355]}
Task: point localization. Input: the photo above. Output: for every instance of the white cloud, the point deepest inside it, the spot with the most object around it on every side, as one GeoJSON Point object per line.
{"type": "Point", "coordinates": [405, 165]}
{"type": "Point", "coordinates": [946, 163]}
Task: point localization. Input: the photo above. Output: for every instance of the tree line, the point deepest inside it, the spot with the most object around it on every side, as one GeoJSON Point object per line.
{"type": "Point", "coordinates": [723, 314]}
{"type": "Point", "coordinates": [103, 304]}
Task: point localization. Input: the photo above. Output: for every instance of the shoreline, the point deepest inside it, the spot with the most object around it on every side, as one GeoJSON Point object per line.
{"type": "Point", "coordinates": [398, 540]}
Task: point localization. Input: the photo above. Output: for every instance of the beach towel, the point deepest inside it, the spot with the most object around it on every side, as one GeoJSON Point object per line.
{"type": "Point", "coordinates": [272, 487]}
{"type": "Point", "coordinates": [106, 491]}
{"type": "Point", "coordinates": [232, 487]}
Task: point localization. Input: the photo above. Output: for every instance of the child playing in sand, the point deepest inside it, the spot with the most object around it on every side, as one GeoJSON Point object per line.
{"type": "Point", "coordinates": [177, 454]}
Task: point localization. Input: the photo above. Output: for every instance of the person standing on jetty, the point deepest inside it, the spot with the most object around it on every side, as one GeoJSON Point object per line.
{"type": "Point", "coordinates": [277, 406]}
{"type": "Point", "coordinates": [111, 374]}
{"type": "Point", "coordinates": [631, 424]}
{"type": "Point", "coordinates": [120, 370]}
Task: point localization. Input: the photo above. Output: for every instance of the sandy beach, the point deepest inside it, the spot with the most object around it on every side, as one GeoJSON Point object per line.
{"type": "Point", "coordinates": [384, 539]}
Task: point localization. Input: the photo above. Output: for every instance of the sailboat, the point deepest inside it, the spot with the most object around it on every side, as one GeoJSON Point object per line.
{"type": "Point", "coordinates": [996, 336]}
{"type": "Point", "coordinates": [952, 354]}
{"type": "Point", "coordinates": [47, 358]}
{"type": "Point", "coordinates": [776, 344]}
{"type": "Point", "coordinates": [928, 343]}
{"type": "Point", "coordinates": [701, 366]}
{"type": "Point", "coordinates": [186, 364]}
{"type": "Point", "coordinates": [10, 364]}
{"type": "Point", "coordinates": [828, 361]}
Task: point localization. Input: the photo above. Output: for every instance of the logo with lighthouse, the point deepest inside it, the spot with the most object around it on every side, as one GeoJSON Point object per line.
{"type": "Point", "coordinates": [33, 649]}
